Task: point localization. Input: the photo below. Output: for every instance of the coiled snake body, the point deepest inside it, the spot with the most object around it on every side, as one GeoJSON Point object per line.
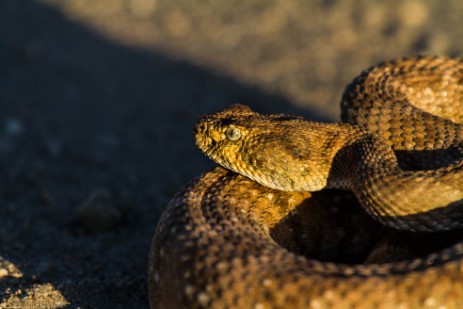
{"type": "Point", "coordinates": [246, 237]}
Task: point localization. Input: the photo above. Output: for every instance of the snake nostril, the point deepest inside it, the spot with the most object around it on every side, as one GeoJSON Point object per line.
{"type": "Point", "coordinates": [199, 128]}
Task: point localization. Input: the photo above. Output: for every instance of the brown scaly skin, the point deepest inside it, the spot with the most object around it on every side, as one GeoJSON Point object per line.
{"type": "Point", "coordinates": [290, 154]}
{"type": "Point", "coordinates": [213, 246]}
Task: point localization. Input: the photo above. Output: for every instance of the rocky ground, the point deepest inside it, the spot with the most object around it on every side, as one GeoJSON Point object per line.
{"type": "Point", "coordinates": [98, 100]}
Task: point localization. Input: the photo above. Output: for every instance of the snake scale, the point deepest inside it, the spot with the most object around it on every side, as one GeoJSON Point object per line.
{"type": "Point", "coordinates": [254, 233]}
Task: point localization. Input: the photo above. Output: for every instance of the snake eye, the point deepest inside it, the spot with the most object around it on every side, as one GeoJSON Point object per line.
{"type": "Point", "coordinates": [233, 134]}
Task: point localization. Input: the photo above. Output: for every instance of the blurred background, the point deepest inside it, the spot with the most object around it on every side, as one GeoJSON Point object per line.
{"type": "Point", "coordinates": [98, 100]}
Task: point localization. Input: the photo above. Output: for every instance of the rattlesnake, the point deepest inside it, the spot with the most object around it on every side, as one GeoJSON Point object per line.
{"type": "Point", "coordinates": [226, 241]}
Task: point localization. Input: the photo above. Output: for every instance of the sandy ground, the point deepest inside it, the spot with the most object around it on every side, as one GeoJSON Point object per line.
{"type": "Point", "coordinates": [98, 100]}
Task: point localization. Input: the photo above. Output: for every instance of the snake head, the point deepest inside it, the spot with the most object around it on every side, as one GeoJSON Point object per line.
{"type": "Point", "coordinates": [221, 136]}
{"type": "Point", "coordinates": [270, 149]}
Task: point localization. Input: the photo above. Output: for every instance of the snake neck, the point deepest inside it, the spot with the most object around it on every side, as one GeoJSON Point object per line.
{"type": "Point", "coordinates": [401, 199]}
{"type": "Point", "coordinates": [357, 161]}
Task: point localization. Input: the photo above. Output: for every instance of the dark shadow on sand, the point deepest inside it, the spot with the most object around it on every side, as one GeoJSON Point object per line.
{"type": "Point", "coordinates": [78, 113]}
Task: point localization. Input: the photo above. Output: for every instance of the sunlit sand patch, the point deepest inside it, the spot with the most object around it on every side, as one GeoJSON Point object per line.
{"type": "Point", "coordinates": [8, 269]}
{"type": "Point", "coordinates": [37, 296]}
